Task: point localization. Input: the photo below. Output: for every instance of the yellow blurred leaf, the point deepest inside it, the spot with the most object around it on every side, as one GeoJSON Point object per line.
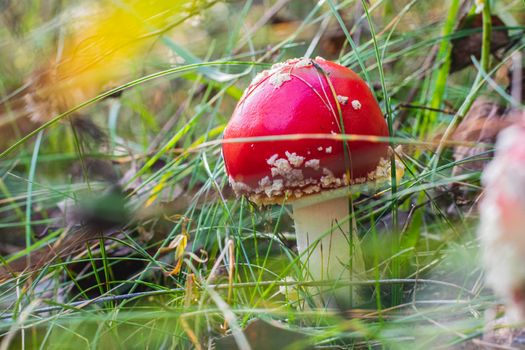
{"type": "Point", "coordinates": [100, 49]}
{"type": "Point", "coordinates": [157, 189]}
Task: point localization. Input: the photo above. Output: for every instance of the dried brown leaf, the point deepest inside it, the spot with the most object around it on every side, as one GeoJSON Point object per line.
{"type": "Point", "coordinates": [481, 125]}
{"type": "Point", "coordinates": [466, 46]}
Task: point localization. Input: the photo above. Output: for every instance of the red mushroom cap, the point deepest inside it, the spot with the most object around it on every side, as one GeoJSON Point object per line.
{"type": "Point", "coordinates": [302, 96]}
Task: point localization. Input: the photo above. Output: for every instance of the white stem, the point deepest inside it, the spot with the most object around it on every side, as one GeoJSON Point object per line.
{"type": "Point", "coordinates": [325, 244]}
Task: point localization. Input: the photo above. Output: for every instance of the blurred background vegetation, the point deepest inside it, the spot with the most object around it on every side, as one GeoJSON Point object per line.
{"type": "Point", "coordinates": [118, 228]}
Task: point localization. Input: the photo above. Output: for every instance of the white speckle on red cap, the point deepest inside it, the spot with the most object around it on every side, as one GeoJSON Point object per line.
{"type": "Point", "coordinates": [342, 99]}
{"type": "Point", "coordinates": [271, 161]}
{"type": "Point", "coordinates": [259, 77]}
{"type": "Point", "coordinates": [312, 163]}
{"type": "Point", "coordinates": [294, 159]}
{"type": "Point", "coordinates": [277, 66]}
{"type": "Point", "coordinates": [281, 167]}
{"type": "Point", "coordinates": [270, 187]}
{"type": "Point", "coordinates": [303, 62]}
{"type": "Point", "coordinates": [356, 104]}
{"type": "Point", "coordinates": [278, 79]}
{"type": "Point", "coordinates": [239, 186]}
{"type": "Point", "coordinates": [329, 179]}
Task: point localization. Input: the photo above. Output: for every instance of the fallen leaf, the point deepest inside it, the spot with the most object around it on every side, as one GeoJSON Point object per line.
{"type": "Point", "coordinates": [466, 46]}
{"type": "Point", "coordinates": [481, 125]}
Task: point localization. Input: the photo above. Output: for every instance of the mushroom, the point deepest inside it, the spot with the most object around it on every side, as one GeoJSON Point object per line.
{"type": "Point", "coordinates": [308, 96]}
{"type": "Point", "coordinates": [502, 221]}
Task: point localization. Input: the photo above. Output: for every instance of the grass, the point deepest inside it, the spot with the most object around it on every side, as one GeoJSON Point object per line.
{"type": "Point", "coordinates": [134, 240]}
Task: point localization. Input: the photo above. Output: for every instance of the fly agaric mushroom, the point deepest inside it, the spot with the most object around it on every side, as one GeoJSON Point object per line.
{"type": "Point", "coordinates": [502, 220]}
{"type": "Point", "coordinates": [305, 96]}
